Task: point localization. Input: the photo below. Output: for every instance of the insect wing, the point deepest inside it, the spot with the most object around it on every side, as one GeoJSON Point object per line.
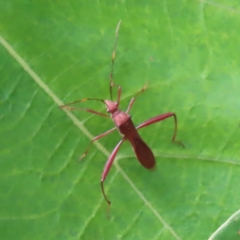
{"type": "Point", "coordinates": [143, 152]}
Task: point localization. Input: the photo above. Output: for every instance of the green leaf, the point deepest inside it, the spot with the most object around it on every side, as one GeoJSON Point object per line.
{"type": "Point", "coordinates": [57, 52]}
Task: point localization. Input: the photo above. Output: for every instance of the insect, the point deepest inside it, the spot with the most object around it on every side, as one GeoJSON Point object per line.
{"type": "Point", "coordinates": [123, 123]}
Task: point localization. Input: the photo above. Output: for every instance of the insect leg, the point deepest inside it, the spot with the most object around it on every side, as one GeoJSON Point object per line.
{"type": "Point", "coordinates": [66, 106]}
{"type": "Point", "coordinates": [133, 99]}
{"type": "Point", "coordinates": [86, 110]}
{"type": "Point", "coordinates": [160, 118]}
{"type": "Point", "coordinates": [94, 139]}
{"type": "Point", "coordinates": [108, 166]}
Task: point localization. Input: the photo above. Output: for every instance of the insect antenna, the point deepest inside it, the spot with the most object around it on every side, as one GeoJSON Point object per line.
{"type": "Point", "coordinates": [113, 59]}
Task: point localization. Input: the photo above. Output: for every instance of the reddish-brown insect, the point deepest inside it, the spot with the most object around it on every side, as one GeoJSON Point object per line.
{"type": "Point", "coordinates": [123, 123]}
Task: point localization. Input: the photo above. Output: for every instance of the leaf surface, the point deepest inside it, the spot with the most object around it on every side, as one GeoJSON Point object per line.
{"type": "Point", "coordinates": [57, 52]}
